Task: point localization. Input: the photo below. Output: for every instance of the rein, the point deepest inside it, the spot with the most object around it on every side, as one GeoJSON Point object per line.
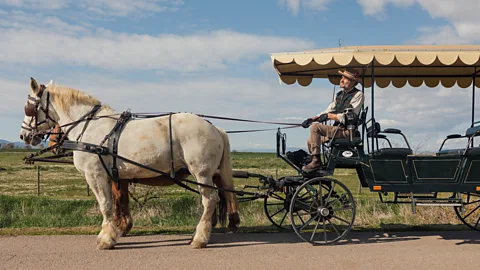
{"type": "Point", "coordinates": [153, 115]}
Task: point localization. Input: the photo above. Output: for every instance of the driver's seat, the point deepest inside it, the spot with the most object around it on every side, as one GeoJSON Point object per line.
{"type": "Point", "coordinates": [356, 140]}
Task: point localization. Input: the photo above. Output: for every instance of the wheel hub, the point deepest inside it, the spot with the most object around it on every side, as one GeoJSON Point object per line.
{"type": "Point", "coordinates": [324, 212]}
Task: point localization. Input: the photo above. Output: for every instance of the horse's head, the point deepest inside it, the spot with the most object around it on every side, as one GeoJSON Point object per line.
{"type": "Point", "coordinates": [39, 114]}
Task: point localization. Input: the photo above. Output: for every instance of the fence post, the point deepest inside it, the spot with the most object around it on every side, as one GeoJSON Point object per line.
{"type": "Point", "coordinates": [88, 190]}
{"type": "Point", "coordinates": [38, 180]}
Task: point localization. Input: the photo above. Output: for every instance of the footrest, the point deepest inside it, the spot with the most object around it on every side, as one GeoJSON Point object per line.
{"type": "Point", "coordinates": [316, 173]}
{"type": "Point", "coordinates": [293, 180]}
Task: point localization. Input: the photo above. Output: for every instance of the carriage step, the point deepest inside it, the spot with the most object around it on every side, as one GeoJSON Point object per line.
{"type": "Point", "coordinates": [438, 204]}
{"type": "Point", "coordinates": [431, 195]}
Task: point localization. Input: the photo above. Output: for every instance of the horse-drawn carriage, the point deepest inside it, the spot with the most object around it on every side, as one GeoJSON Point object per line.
{"type": "Point", "coordinates": [320, 209]}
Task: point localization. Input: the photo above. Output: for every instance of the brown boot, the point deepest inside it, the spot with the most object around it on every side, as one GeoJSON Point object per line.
{"type": "Point", "coordinates": [315, 164]}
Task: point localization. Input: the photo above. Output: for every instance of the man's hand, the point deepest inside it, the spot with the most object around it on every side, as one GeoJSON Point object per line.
{"type": "Point", "coordinates": [323, 117]}
{"type": "Point", "coordinates": [307, 123]}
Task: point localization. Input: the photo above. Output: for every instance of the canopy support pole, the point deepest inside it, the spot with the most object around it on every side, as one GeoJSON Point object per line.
{"type": "Point", "coordinates": [373, 107]}
{"type": "Point", "coordinates": [473, 98]}
{"type": "Point", "coordinates": [363, 105]}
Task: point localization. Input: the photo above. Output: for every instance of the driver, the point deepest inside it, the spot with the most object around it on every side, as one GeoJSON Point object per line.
{"type": "Point", "coordinates": [320, 133]}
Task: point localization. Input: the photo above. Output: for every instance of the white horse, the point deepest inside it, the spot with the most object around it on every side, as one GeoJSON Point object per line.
{"type": "Point", "coordinates": [197, 145]}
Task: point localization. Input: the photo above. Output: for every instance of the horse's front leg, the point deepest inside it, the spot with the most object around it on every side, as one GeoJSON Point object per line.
{"type": "Point", "coordinates": [123, 219]}
{"type": "Point", "coordinates": [209, 200]}
{"type": "Point", "coordinates": [100, 186]}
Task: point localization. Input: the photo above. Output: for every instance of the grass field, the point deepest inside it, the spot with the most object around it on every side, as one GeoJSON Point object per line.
{"type": "Point", "coordinates": [63, 204]}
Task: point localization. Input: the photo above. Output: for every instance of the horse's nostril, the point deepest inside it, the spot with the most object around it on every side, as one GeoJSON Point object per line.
{"type": "Point", "coordinates": [21, 137]}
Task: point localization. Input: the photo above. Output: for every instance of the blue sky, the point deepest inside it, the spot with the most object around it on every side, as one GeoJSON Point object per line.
{"type": "Point", "coordinates": [212, 57]}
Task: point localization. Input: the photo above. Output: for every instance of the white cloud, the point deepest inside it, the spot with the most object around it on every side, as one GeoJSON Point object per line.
{"type": "Point", "coordinates": [37, 4]}
{"type": "Point", "coordinates": [439, 35]}
{"type": "Point", "coordinates": [461, 15]}
{"type": "Point", "coordinates": [22, 21]}
{"type": "Point", "coordinates": [121, 8]}
{"type": "Point", "coordinates": [377, 7]}
{"type": "Point", "coordinates": [425, 115]}
{"type": "Point", "coordinates": [294, 5]}
{"type": "Point", "coordinates": [38, 40]}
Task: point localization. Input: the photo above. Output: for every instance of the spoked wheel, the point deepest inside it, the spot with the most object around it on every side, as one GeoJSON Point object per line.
{"type": "Point", "coordinates": [277, 207]}
{"type": "Point", "coordinates": [471, 210]}
{"type": "Point", "coordinates": [322, 211]}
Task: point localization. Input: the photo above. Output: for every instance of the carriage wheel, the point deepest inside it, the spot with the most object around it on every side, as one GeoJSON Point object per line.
{"type": "Point", "coordinates": [322, 211]}
{"type": "Point", "coordinates": [471, 211]}
{"type": "Point", "coordinates": [277, 207]}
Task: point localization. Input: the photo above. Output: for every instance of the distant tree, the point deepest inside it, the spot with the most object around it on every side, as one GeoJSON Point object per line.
{"type": "Point", "coordinates": [9, 146]}
{"type": "Point", "coordinates": [28, 147]}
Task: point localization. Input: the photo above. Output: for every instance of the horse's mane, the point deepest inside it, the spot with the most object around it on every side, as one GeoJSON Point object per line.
{"type": "Point", "coordinates": [65, 97]}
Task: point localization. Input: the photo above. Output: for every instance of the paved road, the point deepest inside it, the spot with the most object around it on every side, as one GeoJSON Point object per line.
{"type": "Point", "coordinates": [403, 250]}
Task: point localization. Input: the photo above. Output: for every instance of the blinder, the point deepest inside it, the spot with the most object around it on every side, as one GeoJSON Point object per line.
{"type": "Point", "coordinates": [31, 110]}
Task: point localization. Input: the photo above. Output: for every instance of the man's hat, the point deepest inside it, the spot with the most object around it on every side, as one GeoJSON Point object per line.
{"type": "Point", "coordinates": [351, 74]}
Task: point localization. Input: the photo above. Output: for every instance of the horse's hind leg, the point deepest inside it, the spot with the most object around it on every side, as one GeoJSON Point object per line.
{"type": "Point", "coordinates": [100, 186]}
{"type": "Point", "coordinates": [123, 219]}
{"type": "Point", "coordinates": [209, 200]}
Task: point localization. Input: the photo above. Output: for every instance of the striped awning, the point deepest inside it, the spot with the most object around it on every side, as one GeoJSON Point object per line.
{"type": "Point", "coordinates": [392, 65]}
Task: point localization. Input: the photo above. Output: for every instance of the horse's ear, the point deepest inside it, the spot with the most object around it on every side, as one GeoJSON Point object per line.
{"type": "Point", "coordinates": [50, 83]}
{"type": "Point", "coordinates": [34, 85]}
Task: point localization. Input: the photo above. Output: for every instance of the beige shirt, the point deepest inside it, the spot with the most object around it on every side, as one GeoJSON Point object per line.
{"type": "Point", "coordinates": [356, 102]}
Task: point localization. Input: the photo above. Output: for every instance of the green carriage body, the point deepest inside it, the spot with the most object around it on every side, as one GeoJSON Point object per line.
{"type": "Point", "coordinates": [398, 170]}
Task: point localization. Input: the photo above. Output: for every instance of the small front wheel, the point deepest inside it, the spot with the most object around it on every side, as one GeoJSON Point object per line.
{"type": "Point", "coordinates": [276, 207]}
{"type": "Point", "coordinates": [322, 211]}
{"type": "Point", "coordinates": [470, 215]}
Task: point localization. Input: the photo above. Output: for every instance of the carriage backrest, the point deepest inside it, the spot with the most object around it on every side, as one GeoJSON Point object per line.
{"type": "Point", "coordinates": [472, 131]}
{"type": "Point", "coordinates": [372, 131]}
{"type": "Point", "coordinates": [363, 116]}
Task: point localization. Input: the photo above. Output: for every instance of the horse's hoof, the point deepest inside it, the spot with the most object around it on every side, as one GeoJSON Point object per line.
{"type": "Point", "coordinates": [231, 230]}
{"type": "Point", "coordinates": [198, 245]}
{"type": "Point", "coordinates": [103, 245]}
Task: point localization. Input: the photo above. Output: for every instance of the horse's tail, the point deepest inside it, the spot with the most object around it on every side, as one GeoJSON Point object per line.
{"type": "Point", "coordinates": [228, 200]}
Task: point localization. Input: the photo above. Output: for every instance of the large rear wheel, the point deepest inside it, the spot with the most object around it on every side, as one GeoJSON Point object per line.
{"type": "Point", "coordinates": [471, 210]}
{"type": "Point", "coordinates": [322, 211]}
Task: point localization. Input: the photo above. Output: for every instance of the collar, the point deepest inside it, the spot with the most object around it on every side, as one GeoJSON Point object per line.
{"type": "Point", "coordinates": [353, 88]}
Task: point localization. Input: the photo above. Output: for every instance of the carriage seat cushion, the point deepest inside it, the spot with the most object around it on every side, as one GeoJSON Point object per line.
{"type": "Point", "coordinates": [346, 141]}
{"type": "Point", "coordinates": [394, 151]}
{"type": "Point", "coordinates": [475, 151]}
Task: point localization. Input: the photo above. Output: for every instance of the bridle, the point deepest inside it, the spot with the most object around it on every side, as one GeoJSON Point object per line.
{"type": "Point", "coordinates": [33, 106]}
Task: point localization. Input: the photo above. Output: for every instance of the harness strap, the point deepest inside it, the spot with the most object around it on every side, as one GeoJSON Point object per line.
{"type": "Point", "coordinates": [172, 169]}
{"type": "Point", "coordinates": [113, 138]}
{"type": "Point", "coordinates": [90, 115]}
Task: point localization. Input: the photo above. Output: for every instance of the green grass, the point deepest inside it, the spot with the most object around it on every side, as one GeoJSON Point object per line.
{"type": "Point", "coordinates": [34, 215]}
{"type": "Point", "coordinates": [64, 205]}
